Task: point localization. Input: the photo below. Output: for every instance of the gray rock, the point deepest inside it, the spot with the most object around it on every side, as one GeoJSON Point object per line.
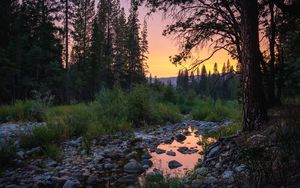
{"type": "Point", "coordinates": [133, 167]}
{"type": "Point", "coordinates": [147, 162]}
{"type": "Point", "coordinates": [174, 164]}
{"type": "Point", "coordinates": [160, 151]}
{"type": "Point", "coordinates": [51, 163]}
{"type": "Point", "coordinates": [12, 186]}
{"type": "Point", "coordinates": [182, 149]}
{"type": "Point", "coordinates": [92, 180]}
{"type": "Point", "coordinates": [20, 154]}
{"type": "Point", "coordinates": [128, 179]}
{"type": "Point", "coordinates": [171, 153]}
{"type": "Point", "coordinates": [146, 156]}
{"type": "Point", "coordinates": [203, 171]}
{"type": "Point", "coordinates": [209, 180]}
{"type": "Point", "coordinates": [109, 166]}
{"type": "Point", "coordinates": [213, 151]}
{"type": "Point", "coordinates": [71, 184]}
{"type": "Point", "coordinates": [59, 181]}
{"type": "Point", "coordinates": [180, 137]}
{"type": "Point", "coordinates": [200, 143]}
{"type": "Point", "coordinates": [228, 176]}
{"type": "Point", "coordinates": [240, 168]}
{"type": "Point", "coordinates": [34, 151]}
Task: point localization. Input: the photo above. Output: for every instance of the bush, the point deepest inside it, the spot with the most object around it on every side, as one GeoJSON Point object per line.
{"type": "Point", "coordinates": [155, 180]}
{"type": "Point", "coordinates": [19, 111]}
{"type": "Point", "coordinates": [140, 109]}
{"type": "Point", "coordinates": [168, 112]}
{"type": "Point", "coordinates": [79, 119]}
{"type": "Point", "coordinates": [7, 153]}
{"type": "Point", "coordinates": [41, 136]}
{"type": "Point", "coordinates": [218, 110]}
{"type": "Point", "coordinates": [54, 152]}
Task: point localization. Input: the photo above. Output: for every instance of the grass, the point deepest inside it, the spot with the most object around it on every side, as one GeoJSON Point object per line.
{"type": "Point", "coordinates": [210, 110]}
{"type": "Point", "coordinates": [7, 153]}
{"type": "Point", "coordinates": [155, 180]}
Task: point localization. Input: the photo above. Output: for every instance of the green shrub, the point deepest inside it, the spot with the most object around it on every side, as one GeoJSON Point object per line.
{"type": "Point", "coordinates": [218, 110]}
{"type": "Point", "coordinates": [19, 111]}
{"type": "Point", "coordinates": [79, 119]}
{"type": "Point", "coordinates": [168, 112]}
{"type": "Point", "coordinates": [155, 180]}
{"type": "Point", "coordinates": [7, 153]}
{"type": "Point", "coordinates": [140, 106]}
{"type": "Point", "coordinates": [41, 136]}
{"type": "Point", "coordinates": [54, 152]}
{"type": "Point", "coordinates": [169, 94]}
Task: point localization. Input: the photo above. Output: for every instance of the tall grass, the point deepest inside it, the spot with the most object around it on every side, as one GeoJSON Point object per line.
{"type": "Point", "coordinates": [218, 110]}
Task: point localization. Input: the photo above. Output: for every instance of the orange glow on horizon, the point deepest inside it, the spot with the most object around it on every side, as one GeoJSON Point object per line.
{"type": "Point", "coordinates": [161, 47]}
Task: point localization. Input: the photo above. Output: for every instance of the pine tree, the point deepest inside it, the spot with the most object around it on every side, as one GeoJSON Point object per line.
{"type": "Point", "coordinates": [120, 65]}
{"type": "Point", "coordinates": [82, 21]}
{"type": "Point", "coordinates": [144, 45]}
{"type": "Point", "coordinates": [136, 72]}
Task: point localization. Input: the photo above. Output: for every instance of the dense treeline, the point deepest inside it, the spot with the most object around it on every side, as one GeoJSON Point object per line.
{"type": "Point", "coordinates": [217, 85]}
{"type": "Point", "coordinates": [69, 48]}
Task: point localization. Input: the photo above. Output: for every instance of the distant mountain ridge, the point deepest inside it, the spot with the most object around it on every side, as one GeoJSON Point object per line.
{"type": "Point", "coordinates": [166, 80]}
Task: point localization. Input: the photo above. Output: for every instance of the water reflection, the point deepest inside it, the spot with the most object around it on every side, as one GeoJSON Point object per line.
{"type": "Point", "coordinates": [188, 161]}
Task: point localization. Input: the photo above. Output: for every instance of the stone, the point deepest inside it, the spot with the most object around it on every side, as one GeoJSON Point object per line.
{"type": "Point", "coordinates": [174, 164]}
{"type": "Point", "coordinates": [146, 156]}
{"type": "Point", "coordinates": [182, 149]}
{"type": "Point", "coordinates": [71, 184]}
{"type": "Point", "coordinates": [147, 162]}
{"type": "Point", "coordinates": [203, 171]}
{"type": "Point", "coordinates": [240, 168]}
{"type": "Point", "coordinates": [133, 167]}
{"type": "Point", "coordinates": [213, 151]}
{"type": "Point", "coordinates": [12, 186]}
{"type": "Point", "coordinates": [171, 153]}
{"type": "Point", "coordinates": [20, 154]}
{"type": "Point", "coordinates": [131, 155]}
{"type": "Point", "coordinates": [92, 180]}
{"type": "Point", "coordinates": [228, 176]}
{"type": "Point", "coordinates": [160, 151]}
{"type": "Point", "coordinates": [209, 180]}
{"type": "Point", "coordinates": [180, 137]}
{"type": "Point", "coordinates": [59, 181]}
{"type": "Point", "coordinates": [128, 179]}
{"type": "Point", "coordinates": [39, 184]}
{"type": "Point", "coordinates": [51, 163]}
{"type": "Point", "coordinates": [199, 143]}
{"type": "Point", "coordinates": [109, 166]}
{"type": "Point", "coordinates": [34, 151]}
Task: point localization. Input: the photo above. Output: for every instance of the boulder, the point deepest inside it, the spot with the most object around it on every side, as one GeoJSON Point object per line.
{"type": "Point", "coordinates": [171, 153]}
{"type": "Point", "coordinates": [182, 149]}
{"type": "Point", "coordinates": [133, 167]}
{"type": "Point", "coordinates": [71, 184]}
{"type": "Point", "coordinates": [147, 162]}
{"type": "Point", "coordinates": [146, 156]}
{"type": "Point", "coordinates": [180, 137]}
{"type": "Point", "coordinates": [160, 151]}
{"type": "Point", "coordinates": [174, 164]}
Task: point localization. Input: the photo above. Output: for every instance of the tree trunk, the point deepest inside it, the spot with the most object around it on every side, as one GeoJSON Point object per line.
{"type": "Point", "coordinates": [271, 89]}
{"type": "Point", "coordinates": [254, 111]}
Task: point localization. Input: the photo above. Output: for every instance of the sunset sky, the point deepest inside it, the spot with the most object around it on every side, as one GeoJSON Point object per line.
{"type": "Point", "coordinates": [161, 47]}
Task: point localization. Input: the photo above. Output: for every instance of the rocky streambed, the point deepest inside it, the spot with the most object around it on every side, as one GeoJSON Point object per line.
{"type": "Point", "coordinates": [119, 160]}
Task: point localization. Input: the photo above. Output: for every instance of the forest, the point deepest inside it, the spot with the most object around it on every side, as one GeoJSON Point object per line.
{"type": "Point", "coordinates": [79, 106]}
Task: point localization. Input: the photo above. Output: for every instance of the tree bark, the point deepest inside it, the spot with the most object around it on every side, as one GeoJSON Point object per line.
{"type": "Point", "coordinates": [271, 88]}
{"type": "Point", "coordinates": [254, 111]}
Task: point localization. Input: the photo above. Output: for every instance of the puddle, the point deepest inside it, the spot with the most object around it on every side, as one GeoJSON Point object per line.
{"type": "Point", "coordinates": [188, 161]}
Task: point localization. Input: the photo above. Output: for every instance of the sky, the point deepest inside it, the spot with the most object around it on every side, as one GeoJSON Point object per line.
{"type": "Point", "coordinates": [161, 47]}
